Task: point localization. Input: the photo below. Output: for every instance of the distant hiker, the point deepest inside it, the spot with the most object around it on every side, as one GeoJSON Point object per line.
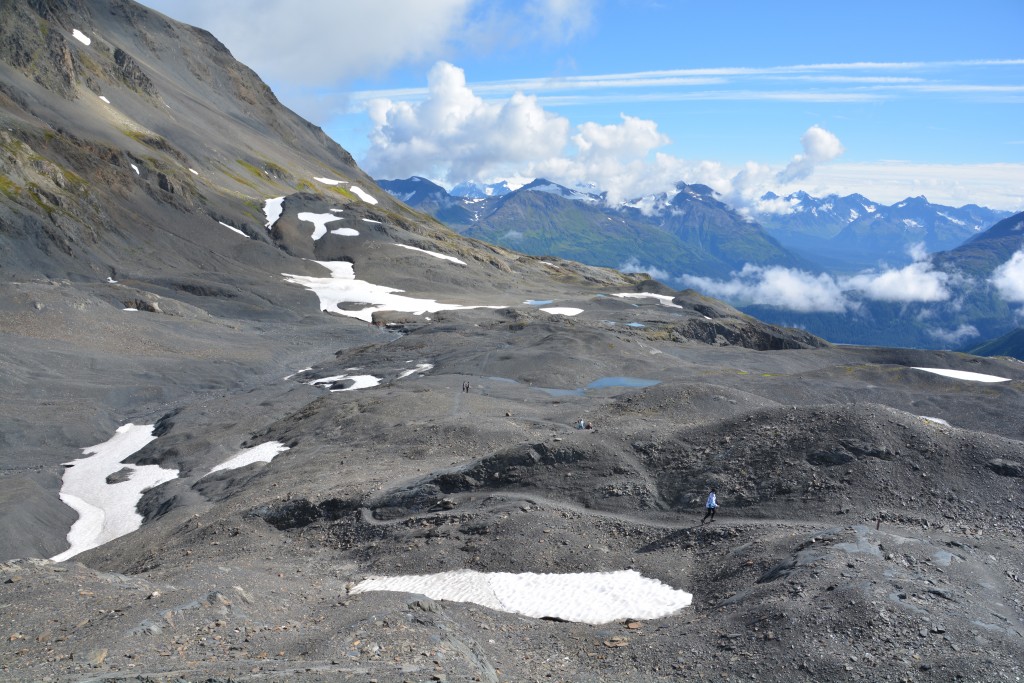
{"type": "Point", "coordinates": [465, 387]}
{"type": "Point", "coordinates": [710, 506]}
{"type": "Point", "coordinates": [579, 424]}
{"type": "Point", "coordinates": [589, 425]}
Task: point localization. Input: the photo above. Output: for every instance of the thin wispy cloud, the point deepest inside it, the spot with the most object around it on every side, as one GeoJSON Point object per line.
{"type": "Point", "coordinates": [935, 78]}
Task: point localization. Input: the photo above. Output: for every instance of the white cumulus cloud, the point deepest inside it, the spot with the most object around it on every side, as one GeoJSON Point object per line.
{"type": "Point", "coordinates": [633, 265]}
{"type": "Point", "coordinates": [455, 135]}
{"type": "Point", "coordinates": [804, 292]}
{"type": "Point", "coordinates": [452, 135]}
{"type": "Point", "coordinates": [819, 146]}
{"type": "Point", "coordinates": [957, 336]}
{"type": "Point", "coordinates": [789, 288]}
{"type": "Point", "coordinates": [327, 41]}
{"type": "Point", "coordinates": [1008, 278]}
{"type": "Point", "coordinates": [916, 282]}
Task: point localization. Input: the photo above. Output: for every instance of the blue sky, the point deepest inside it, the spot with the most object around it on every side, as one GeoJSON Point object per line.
{"type": "Point", "coordinates": [889, 99]}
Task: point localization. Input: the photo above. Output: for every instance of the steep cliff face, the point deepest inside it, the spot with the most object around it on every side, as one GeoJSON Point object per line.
{"type": "Point", "coordinates": [116, 119]}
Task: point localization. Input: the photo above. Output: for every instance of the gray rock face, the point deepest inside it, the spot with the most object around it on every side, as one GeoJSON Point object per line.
{"type": "Point", "coordinates": [1006, 468]}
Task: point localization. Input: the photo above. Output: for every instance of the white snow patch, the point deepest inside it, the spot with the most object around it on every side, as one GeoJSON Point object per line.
{"type": "Point", "coordinates": [562, 310]}
{"type": "Point", "coordinates": [421, 367]}
{"type": "Point", "coordinates": [329, 181]}
{"type": "Point", "coordinates": [951, 219]}
{"type": "Point", "coordinates": [111, 280]}
{"type": "Point", "coordinates": [870, 208]}
{"type": "Point", "coordinates": [911, 223]}
{"type": "Point", "coordinates": [265, 452]}
{"type": "Point", "coordinates": [963, 374]}
{"type": "Point", "coordinates": [936, 420]}
{"type": "Point", "coordinates": [296, 373]}
{"type": "Point", "coordinates": [853, 215]}
{"type": "Point", "coordinates": [104, 99]}
{"type": "Point", "coordinates": [345, 232]}
{"type": "Point", "coordinates": [130, 309]}
{"type": "Point", "coordinates": [663, 299]}
{"type": "Point", "coordinates": [135, 168]}
{"type": "Point", "coordinates": [589, 598]}
{"type": "Point", "coordinates": [358, 382]}
{"type": "Point", "coordinates": [370, 220]}
{"type": "Point", "coordinates": [107, 511]}
{"type": "Point", "coordinates": [343, 288]}
{"type": "Point", "coordinates": [361, 193]}
{"type": "Point", "coordinates": [231, 227]}
{"type": "Point", "coordinates": [193, 171]}
{"type": "Point", "coordinates": [319, 221]}
{"type": "Point", "coordinates": [435, 254]}
{"type": "Point", "coordinates": [81, 37]}
{"type": "Point", "coordinates": [272, 209]}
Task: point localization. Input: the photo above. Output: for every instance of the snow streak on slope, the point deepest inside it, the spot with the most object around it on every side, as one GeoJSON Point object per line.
{"type": "Point", "coordinates": [107, 510]}
{"type": "Point", "coordinates": [272, 209]}
{"type": "Point", "coordinates": [435, 254]}
{"type": "Point", "coordinates": [965, 375]}
{"type": "Point", "coordinates": [265, 452]}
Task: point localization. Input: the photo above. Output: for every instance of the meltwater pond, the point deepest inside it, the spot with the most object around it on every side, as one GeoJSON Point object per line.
{"type": "Point", "coordinates": [602, 383]}
{"type": "Point", "coordinates": [605, 383]}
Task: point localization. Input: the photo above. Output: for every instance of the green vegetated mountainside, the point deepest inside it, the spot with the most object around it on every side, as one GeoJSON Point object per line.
{"type": "Point", "coordinates": [1010, 344]}
{"type": "Point", "coordinates": [983, 253]}
{"type": "Point", "coordinates": [545, 224]}
{"type": "Point", "coordinates": [692, 233]}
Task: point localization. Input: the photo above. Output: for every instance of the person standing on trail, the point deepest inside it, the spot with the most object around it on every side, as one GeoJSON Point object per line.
{"type": "Point", "coordinates": [710, 506]}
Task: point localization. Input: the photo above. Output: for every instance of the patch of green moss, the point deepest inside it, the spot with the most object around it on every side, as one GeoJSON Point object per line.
{"type": "Point", "coordinates": [237, 178]}
{"type": "Point", "coordinates": [73, 178]}
{"type": "Point", "coordinates": [273, 169]}
{"type": "Point", "coordinates": [13, 146]}
{"type": "Point", "coordinates": [250, 168]}
{"type": "Point", "coordinates": [9, 187]}
{"type": "Point", "coordinates": [303, 185]}
{"type": "Point", "coordinates": [37, 198]}
{"type": "Point", "coordinates": [149, 139]}
{"type": "Point", "coordinates": [343, 192]}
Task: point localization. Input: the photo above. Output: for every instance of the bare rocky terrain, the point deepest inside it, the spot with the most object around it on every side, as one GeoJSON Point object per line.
{"type": "Point", "coordinates": [871, 513]}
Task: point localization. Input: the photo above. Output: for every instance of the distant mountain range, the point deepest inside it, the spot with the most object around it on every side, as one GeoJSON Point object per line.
{"type": "Point", "coordinates": [688, 232]}
{"type": "Point", "coordinates": [692, 232]}
{"type": "Point", "coordinates": [704, 235]}
{"type": "Point", "coordinates": [852, 232]}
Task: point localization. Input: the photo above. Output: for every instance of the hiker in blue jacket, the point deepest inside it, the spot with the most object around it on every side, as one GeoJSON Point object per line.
{"type": "Point", "coordinates": [711, 506]}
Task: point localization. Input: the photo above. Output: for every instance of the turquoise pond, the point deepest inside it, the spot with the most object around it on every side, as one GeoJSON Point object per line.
{"type": "Point", "coordinates": [601, 383]}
